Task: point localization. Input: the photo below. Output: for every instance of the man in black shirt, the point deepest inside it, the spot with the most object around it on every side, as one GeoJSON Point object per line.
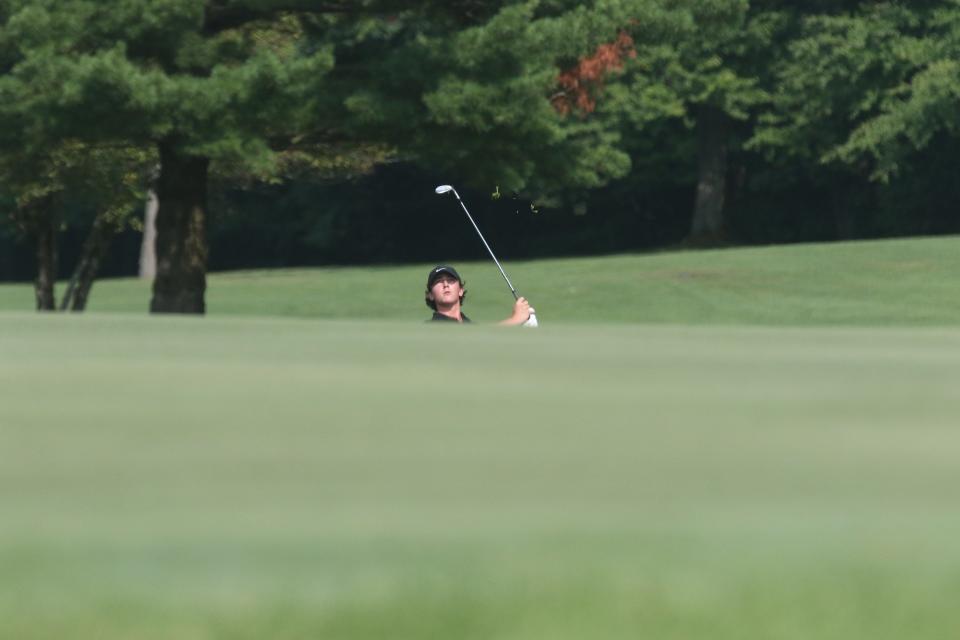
{"type": "Point", "coordinates": [446, 291]}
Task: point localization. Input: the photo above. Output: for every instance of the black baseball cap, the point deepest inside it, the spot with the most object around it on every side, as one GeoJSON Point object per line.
{"type": "Point", "coordinates": [440, 270]}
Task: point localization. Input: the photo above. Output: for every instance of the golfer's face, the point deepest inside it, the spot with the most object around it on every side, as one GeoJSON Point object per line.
{"type": "Point", "coordinates": [446, 290]}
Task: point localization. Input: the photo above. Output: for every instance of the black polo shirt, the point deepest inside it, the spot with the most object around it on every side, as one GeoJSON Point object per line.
{"type": "Point", "coordinates": [439, 317]}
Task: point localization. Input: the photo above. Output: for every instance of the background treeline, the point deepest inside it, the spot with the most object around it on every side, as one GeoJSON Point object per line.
{"type": "Point", "coordinates": [295, 132]}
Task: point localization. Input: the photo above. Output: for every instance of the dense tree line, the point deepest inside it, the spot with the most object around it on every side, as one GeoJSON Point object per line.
{"type": "Point", "coordinates": [303, 131]}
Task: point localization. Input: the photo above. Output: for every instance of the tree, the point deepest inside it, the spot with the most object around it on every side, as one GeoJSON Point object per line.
{"type": "Point", "coordinates": [915, 99]}
{"type": "Point", "coordinates": [233, 83]}
{"type": "Point", "coordinates": [696, 95]}
{"type": "Point", "coordinates": [845, 65]}
{"type": "Point", "coordinates": [489, 80]}
{"type": "Point", "coordinates": [197, 81]}
{"type": "Point", "coordinates": [105, 180]}
{"type": "Point", "coordinates": [832, 77]}
{"type": "Point", "coordinates": [113, 184]}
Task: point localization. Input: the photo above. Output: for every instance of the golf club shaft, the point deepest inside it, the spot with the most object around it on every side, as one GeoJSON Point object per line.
{"type": "Point", "coordinates": [497, 262]}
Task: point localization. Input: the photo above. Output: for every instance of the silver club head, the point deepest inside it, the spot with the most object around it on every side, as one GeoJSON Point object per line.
{"type": "Point", "coordinates": [444, 188]}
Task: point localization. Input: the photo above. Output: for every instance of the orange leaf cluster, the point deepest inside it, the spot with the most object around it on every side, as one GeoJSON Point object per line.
{"type": "Point", "coordinates": [579, 84]}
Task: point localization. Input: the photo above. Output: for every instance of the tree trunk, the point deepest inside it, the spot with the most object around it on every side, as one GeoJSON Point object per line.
{"type": "Point", "coordinates": [46, 238]}
{"type": "Point", "coordinates": [707, 226]}
{"type": "Point", "coordinates": [148, 255]}
{"type": "Point", "coordinates": [94, 249]}
{"type": "Point", "coordinates": [181, 245]}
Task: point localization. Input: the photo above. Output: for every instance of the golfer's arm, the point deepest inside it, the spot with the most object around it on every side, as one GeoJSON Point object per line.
{"type": "Point", "coordinates": [521, 312]}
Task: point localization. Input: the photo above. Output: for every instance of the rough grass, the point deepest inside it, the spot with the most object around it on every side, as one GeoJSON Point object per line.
{"type": "Point", "coordinates": [887, 283]}
{"type": "Point", "coordinates": [284, 478]}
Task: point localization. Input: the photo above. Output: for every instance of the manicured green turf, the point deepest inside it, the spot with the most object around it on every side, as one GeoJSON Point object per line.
{"type": "Point", "coordinates": [281, 478]}
{"type": "Point", "coordinates": [887, 283]}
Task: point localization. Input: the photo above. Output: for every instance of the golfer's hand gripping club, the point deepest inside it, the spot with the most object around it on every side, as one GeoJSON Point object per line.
{"type": "Point", "coordinates": [532, 320]}
{"type": "Point", "coordinates": [444, 188]}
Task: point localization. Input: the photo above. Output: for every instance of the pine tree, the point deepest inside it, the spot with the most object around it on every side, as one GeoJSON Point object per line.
{"type": "Point", "coordinates": [262, 88]}
{"type": "Point", "coordinates": [197, 81]}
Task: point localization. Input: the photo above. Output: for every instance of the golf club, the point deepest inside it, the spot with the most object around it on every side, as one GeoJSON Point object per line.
{"type": "Point", "coordinates": [444, 188]}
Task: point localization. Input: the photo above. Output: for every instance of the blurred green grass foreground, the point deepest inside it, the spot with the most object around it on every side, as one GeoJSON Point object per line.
{"type": "Point", "coordinates": [290, 478]}
{"type": "Point", "coordinates": [274, 478]}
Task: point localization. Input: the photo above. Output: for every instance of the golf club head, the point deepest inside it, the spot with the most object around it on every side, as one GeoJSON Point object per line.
{"type": "Point", "coordinates": [442, 189]}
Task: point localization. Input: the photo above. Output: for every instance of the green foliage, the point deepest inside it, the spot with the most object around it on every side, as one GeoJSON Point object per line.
{"type": "Point", "coordinates": [920, 103]}
{"type": "Point", "coordinates": [239, 82]}
{"type": "Point", "coordinates": [866, 89]}
{"type": "Point", "coordinates": [106, 180]}
{"type": "Point", "coordinates": [486, 89]}
{"type": "Point", "coordinates": [706, 61]}
{"type": "Point", "coordinates": [145, 71]}
{"type": "Point", "coordinates": [273, 90]}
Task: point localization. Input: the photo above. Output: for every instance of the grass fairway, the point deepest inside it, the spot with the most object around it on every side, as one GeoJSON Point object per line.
{"type": "Point", "coordinates": [887, 283]}
{"type": "Point", "coordinates": [283, 478]}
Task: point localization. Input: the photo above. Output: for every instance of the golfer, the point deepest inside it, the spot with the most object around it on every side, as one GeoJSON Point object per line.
{"type": "Point", "coordinates": [446, 291]}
